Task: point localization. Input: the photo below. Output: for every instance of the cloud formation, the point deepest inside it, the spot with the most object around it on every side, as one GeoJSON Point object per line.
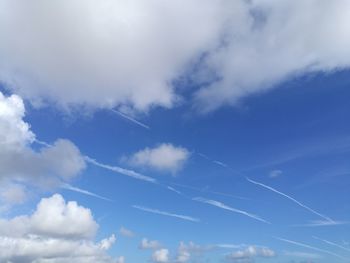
{"type": "Point", "coordinates": [63, 51]}
{"type": "Point", "coordinates": [249, 254]}
{"type": "Point", "coordinates": [57, 231]}
{"type": "Point", "coordinates": [20, 164]}
{"type": "Point", "coordinates": [165, 157]}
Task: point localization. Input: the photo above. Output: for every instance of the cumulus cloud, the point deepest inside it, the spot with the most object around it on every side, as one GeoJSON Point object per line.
{"type": "Point", "coordinates": [99, 53]}
{"type": "Point", "coordinates": [149, 244]}
{"type": "Point", "coordinates": [21, 164]}
{"type": "Point", "coordinates": [57, 231]}
{"type": "Point", "coordinates": [165, 157]}
{"type": "Point", "coordinates": [161, 256]}
{"type": "Point", "coordinates": [249, 254]}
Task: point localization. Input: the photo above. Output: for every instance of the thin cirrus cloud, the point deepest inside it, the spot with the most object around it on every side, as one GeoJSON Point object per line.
{"type": "Point", "coordinates": [226, 207]}
{"type": "Point", "coordinates": [164, 213]}
{"type": "Point", "coordinates": [292, 199]}
{"type": "Point", "coordinates": [165, 158]}
{"type": "Point", "coordinates": [332, 244]}
{"type": "Point", "coordinates": [83, 191]}
{"type": "Point", "coordinates": [238, 37]}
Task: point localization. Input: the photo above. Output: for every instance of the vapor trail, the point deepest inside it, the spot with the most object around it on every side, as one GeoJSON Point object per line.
{"type": "Point", "coordinates": [226, 207]}
{"type": "Point", "coordinates": [332, 243]}
{"type": "Point", "coordinates": [120, 170]}
{"type": "Point", "coordinates": [131, 119]}
{"type": "Point", "coordinates": [290, 198]}
{"type": "Point", "coordinates": [82, 191]}
{"type": "Point", "coordinates": [310, 247]}
{"type": "Point", "coordinates": [155, 211]}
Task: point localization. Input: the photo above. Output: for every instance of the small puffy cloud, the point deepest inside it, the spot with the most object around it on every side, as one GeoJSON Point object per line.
{"type": "Point", "coordinates": [121, 259]}
{"type": "Point", "coordinates": [275, 173]}
{"type": "Point", "coordinates": [250, 254]}
{"type": "Point", "coordinates": [161, 256]}
{"type": "Point", "coordinates": [57, 231]}
{"type": "Point", "coordinates": [20, 164]}
{"type": "Point", "coordinates": [126, 232]}
{"type": "Point", "coordinates": [149, 244]}
{"type": "Point", "coordinates": [165, 157]}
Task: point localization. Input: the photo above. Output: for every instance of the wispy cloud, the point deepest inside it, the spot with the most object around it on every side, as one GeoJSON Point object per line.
{"type": "Point", "coordinates": [290, 198]}
{"type": "Point", "coordinates": [82, 191]}
{"type": "Point", "coordinates": [226, 207]}
{"type": "Point", "coordinates": [120, 170]}
{"type": "Point", "coordinates": [332, 243]}
{"type": "Point", "coordinates": [206, 157]}
{"type": "Point", "coordinates": [309, 247]}
{"type": "Point", "coordinates": [320, 223]}
{"type": "Point", "coordinates": [174, 190]}
{"type": "Point", "coordinates": [159, 212]}
{"type": "Point", "coordinates": [133, 120]}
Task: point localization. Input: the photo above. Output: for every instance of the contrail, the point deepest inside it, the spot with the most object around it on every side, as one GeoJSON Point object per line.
{"type": "Point", "coordinates": [310, 247]}
{"type": "Point", "coordinates": [290, 198]}
{"type": "Point", "coordinates": [131, 119]}
{"type": "Point", "coordinates": [226, 207]}
{"type": "Point", "coordinates": [121, 171]}
{"type": "Point", "coordinates": [212, 160]}
{"type": "Point", "coordinates": [82, 191]}
{"type": "Point", "coordinates": [155, 211]}
{"type": "Point", "coordinates": [174, 190]}
{"type": "Point", "coordinates": [332, 243]}
{"type": "Point", "coordinates": [210, 192]}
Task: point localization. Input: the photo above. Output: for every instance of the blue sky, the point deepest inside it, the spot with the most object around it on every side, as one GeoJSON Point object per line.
{"type": "Point", "coordinates": [210, 149]}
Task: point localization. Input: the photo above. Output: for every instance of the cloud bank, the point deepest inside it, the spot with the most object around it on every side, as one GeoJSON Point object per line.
{"type": "Point", "coordinates": [130, 53]}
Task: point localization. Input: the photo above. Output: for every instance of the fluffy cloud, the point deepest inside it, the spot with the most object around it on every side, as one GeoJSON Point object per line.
{"type": "Point", "coordinates": [161, 256]}
{"type": "Point", "coordinates": [164, 157]}
{"type": "Point", "coordinates": [128, 53]}
{"type": "Point", "coordinates": [57, 232]}
{"type": "Point", "coordinates": [20, 164]}
{"type": "Point", "coordinates": [249, 254]}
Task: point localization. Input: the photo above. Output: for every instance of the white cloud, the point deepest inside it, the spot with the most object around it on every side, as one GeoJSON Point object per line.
{"type": "Point", "coordinates": [164, 157]}
{"type": "Point", "coordinates": [20, 164]}
{"type": "Point", "coordinates": [249, 254]}
{"type": "Point", "coordinates": [128, 53]}
{"type": "Point", "coordinates": [121, 260]}
{"type": "Point", "coordinates": [275, 173]}
{"type": "Point", "coordinates": [161, 256]}
{"type": "Point", "coordinates": [57, 231]}
{"type": "Point", "coordinates": [126, 232]}
{"type": "Point", "coordinates": [149, 244]}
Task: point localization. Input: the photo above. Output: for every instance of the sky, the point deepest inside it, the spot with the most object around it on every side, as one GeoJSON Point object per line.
{"type": "Point", "coordinates": [174, 132]}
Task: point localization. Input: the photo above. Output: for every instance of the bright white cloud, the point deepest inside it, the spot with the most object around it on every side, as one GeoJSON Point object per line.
{"type": "Point", "coordinates": [164, 157]}
{"type": "Point", "coordinates": [128, 53]}
{"type": "Point", "coordinates": [249, 254]}
{"type": "Point", "coordinates": [57, 231]}
{"type": "Point", "coordinates": [20, 164]}
{"type": "Point", "coordinates": [161, 256]}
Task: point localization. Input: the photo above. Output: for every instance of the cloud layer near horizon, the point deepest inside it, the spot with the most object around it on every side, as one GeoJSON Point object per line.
{"type": "Point", "coordinates": [129, 53]}
{"type": "Point", "coordinates": [57, 231]}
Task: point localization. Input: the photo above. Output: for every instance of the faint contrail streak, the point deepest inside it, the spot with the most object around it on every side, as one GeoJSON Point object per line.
{"type": "Point", "coordinates": [332, 243]}
{"type": "Point", "coordinates": [310, 247]}
{"type": "Point", "coordinates": [155, 211]}
{"type": "Point", "coordinates": [131, 119]}
{"type": "Point", "coordinates": [120, 170]}
{"type": "Point", "coordinates": [226, 207]}
{"type": "Point", "coordinates": [290, 198]}
{"type": "Point", "coordinates": [82, 191]}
